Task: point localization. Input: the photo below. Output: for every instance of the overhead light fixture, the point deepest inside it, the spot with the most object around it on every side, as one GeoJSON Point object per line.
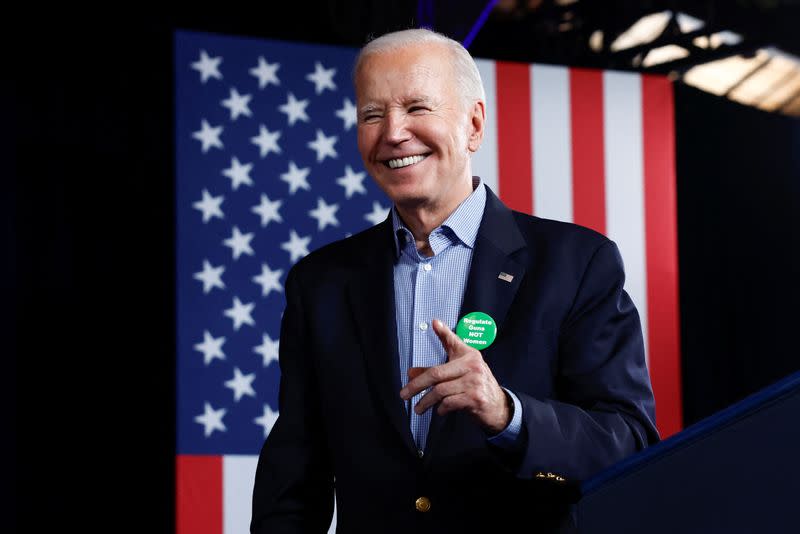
{"type": "Point", "coordinates": [769, 80]}
{"type": "Point", "coordinates": [719, 76]}
{"type": "Point", "coordinates": [596, 40]}
{"type": "Point", "coordinates": [649, 27]}
{"type": "Point", "coordinates": [702, 42]}
{"type": "Point", "coordinates": [715, 40]}
{"type": "Point", "coordinates": [772, 85]}
{"type": "Point", "coordinates": [688, 23]}
{"type": "Point", "coordinates": [725, 38]}
{"type": "Point", "coordinates": [662, 54]}
{"type": "Point", "coordinates": [642, 31]}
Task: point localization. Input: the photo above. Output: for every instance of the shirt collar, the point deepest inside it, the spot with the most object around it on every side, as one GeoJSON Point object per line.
{"type": "Point", "coordinates": [463, 222]}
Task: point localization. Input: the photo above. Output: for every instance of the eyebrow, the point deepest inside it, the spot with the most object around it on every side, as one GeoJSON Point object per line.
{"type": "Point", "coordinates": [418, 100]}
{"type": "Point", "coordinates": [406, 102]}
{"type": "Point", "coordinates": [368, 108]}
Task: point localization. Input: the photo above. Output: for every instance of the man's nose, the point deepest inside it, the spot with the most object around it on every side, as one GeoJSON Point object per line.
{"type": "Point", "coordinates": [395, 128]}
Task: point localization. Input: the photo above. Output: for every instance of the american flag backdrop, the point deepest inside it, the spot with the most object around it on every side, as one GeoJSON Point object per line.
{"type": "Point", "coordinates": [267, 170]}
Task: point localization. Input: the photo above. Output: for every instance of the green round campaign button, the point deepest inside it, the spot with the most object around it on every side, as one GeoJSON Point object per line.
{"type": "Point", "coordinates": [477, 330]}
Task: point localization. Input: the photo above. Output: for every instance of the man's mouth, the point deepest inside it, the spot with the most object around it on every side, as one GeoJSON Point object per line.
{"type": "Point", "coordinates": [399, 163]}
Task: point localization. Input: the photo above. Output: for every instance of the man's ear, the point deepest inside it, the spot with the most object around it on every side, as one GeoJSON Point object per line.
{"type": "Point", "coordinates": [477, 120]}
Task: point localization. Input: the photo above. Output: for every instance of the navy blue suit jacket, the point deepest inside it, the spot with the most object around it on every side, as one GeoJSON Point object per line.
{"type": "Point", "coordinates": [569, 345]}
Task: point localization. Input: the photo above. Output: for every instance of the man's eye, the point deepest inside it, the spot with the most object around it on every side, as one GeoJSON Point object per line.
{"type": "Point", "coordinates": [372, 117]}
{"type": "Point", "coordinates": [417, 109]}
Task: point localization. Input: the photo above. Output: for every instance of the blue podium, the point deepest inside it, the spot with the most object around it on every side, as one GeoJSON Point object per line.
{"type": "Point", "coordinates": [737, 471]}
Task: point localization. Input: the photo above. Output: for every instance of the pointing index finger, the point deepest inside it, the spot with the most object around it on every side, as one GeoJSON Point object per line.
{"type": "Point", "coordinates": [448, 338]}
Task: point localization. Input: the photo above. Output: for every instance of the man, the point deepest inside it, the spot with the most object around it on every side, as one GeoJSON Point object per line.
{"type": "Point", "coordinates": [417, 430]}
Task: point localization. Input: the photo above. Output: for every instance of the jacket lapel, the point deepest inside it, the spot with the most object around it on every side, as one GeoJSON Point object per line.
{"type": "Point", "coordinates": [498, 238]}
{"type": "Point", "coordinates": [371, 295]}
{"type": "Point", "coordinates": [494, 276]}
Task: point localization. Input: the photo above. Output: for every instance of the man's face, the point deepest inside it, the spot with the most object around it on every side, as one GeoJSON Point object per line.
{"type": "Point", "coordinates": [415, 133]}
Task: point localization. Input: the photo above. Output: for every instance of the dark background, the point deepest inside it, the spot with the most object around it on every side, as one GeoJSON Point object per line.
{"type": "Point", "coordinates": [88, 207]}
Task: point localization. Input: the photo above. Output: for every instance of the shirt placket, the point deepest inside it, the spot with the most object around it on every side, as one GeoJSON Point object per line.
{"type": "Point", "coordinates": [423, 295]}
{"type": "Point", "coordinates": [427, 350]}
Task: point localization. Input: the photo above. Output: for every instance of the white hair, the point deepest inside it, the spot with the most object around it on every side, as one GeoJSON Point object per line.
{"type": "Point", "coordinates": [465, 71]}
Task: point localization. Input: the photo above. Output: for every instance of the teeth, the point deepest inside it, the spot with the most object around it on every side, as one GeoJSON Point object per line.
{"type": "Point", "coordinates": [404, 162]}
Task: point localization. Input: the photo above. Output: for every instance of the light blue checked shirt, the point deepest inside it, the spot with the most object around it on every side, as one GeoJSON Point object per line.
{"type": "Point", "coordinates": [433, 288]}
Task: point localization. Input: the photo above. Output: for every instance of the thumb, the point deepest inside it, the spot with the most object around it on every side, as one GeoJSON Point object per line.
{"type": "Point", "coordinates": [450, 341]}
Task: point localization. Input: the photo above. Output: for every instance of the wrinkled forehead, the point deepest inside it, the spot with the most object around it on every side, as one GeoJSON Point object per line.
{"type": "Point", "coordinates": [412, 69]}
{"type": "Point", "coordinates": [414, 60]}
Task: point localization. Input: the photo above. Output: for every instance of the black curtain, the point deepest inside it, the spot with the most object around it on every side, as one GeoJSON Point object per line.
{"type": "Point", "coordinates": [738, 172]}
{"type": "Point", "coordinates": [94, 292]}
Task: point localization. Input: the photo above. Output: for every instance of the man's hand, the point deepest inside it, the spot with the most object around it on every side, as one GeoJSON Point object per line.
{"type": "Point", "coordinates": [465, 382]}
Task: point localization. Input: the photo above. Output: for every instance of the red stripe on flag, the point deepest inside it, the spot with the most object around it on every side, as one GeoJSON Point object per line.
{"type": "Point", "coordinates": [588, 149]}
{"type": "Point", "coordinates": [198, 508]}
{"type": "Point", "coordinates": [662, 252]}
{"type": "Point", "coordinates": [515, 179]}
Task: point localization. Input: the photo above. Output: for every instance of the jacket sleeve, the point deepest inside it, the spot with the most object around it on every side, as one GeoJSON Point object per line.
{"type": "Point", "coordinates": [603, 409]}
{"type": "Point", "coordinates": [294, 483]}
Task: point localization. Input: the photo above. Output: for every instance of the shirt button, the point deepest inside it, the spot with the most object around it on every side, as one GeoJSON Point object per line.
{"type": "Point", "coordinates": [423, 326]}
{"type": "Point", "coordinates": [427, 267]}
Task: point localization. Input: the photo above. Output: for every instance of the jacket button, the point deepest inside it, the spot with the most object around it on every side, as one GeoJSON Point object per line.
{"type": "Point", "coordinates": [423, 504]}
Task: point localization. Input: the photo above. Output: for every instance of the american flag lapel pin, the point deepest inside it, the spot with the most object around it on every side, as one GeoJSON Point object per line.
{"type": "Point", "coordinates": [505, 277]}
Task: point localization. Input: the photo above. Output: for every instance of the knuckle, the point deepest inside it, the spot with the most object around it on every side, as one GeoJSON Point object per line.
{"type": "Point", "coordinates": [473, 365]}
{"type": "Point", "coordinates": [478, 381]}
{"type": "Point", "coordinates": [479, 400]}
{"type": "Point", "coordinates": [447, 404]}
{"type": "Point", "coordinates": [436, 373]}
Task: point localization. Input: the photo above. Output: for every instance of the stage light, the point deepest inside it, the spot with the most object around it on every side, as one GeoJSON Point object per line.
{"type": "Point", "coordinates": [769, 80]}
{"type": "Point", "coordinates": [662, 54]}
{"type": "Point", "coordinates": [642, 31]}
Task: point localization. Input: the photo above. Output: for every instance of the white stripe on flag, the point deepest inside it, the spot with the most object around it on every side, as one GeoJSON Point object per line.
{"type": "Point", "coordinates": [238, 476]}
{"type": "Point", "coordinates": [622, 121]}
{"type": "Point", "coordinates": [551, 142]}
{"type": "Point", "coordinates": [484, 161]}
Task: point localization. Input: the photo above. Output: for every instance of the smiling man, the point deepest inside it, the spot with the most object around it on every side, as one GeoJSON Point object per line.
{"type": "Point", "coordinates": [417, 429]}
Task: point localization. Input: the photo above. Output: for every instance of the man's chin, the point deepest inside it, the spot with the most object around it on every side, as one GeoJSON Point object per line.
{"type": "Point", "coordinates": [411, 203]}
{"type": "Point", "coordinates": [405, 194]}
{"type": "Point", "coordinates": [407, 197]}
